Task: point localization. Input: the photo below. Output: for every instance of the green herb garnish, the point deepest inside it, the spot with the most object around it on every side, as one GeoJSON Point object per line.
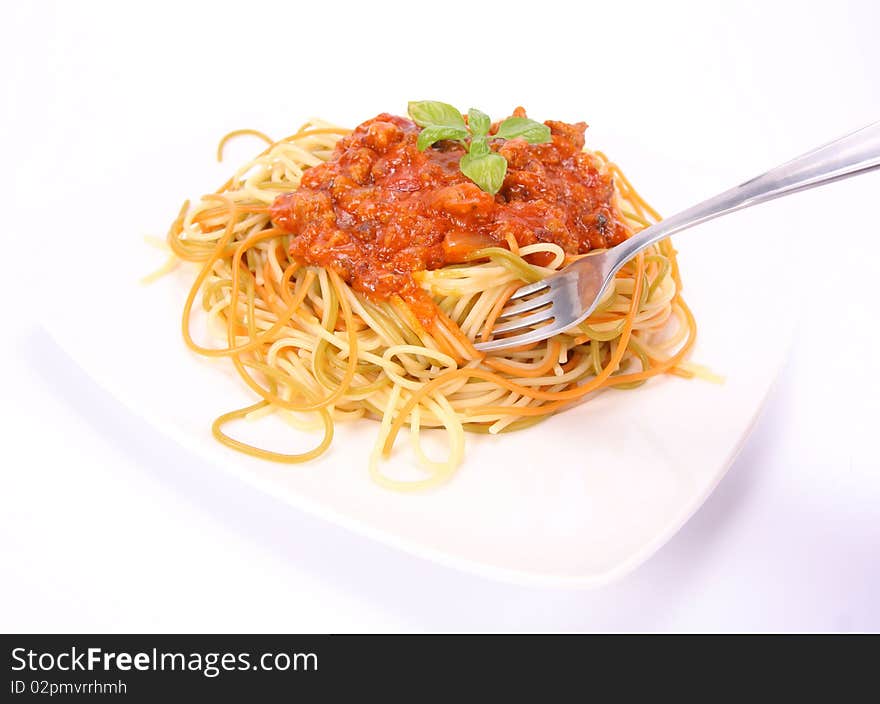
{"type": "Point", "coordinates": [481, 165]}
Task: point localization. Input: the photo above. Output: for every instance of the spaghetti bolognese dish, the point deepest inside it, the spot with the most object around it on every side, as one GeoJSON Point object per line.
{"type": "Point", "coordinates": [349, 274]}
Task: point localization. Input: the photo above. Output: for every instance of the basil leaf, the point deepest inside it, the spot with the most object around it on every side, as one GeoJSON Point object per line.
{"type": "Point", "coordinates": [430, 113]}
{"type": "Point", "coordinates": [479, 122]}
{"type": "Point", "coordinates": [531, 131]}
{"type": "Point", "coordinates": [435, 133]}
{"type": "Point", "coordinates": [479, 146]}
{"type": "Point", "coordinates": [486, 170]}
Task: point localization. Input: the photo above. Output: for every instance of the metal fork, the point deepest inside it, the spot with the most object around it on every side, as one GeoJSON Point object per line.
{"type": "Point", "coordinates": [560, 301]}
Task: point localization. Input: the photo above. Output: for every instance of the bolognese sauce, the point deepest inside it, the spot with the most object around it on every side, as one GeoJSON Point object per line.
{"type": "Point", "coordinates": [380, 209]}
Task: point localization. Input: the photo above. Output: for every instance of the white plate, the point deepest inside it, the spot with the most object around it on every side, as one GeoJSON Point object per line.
{"type": "Point", "coordinates": [576, 501]}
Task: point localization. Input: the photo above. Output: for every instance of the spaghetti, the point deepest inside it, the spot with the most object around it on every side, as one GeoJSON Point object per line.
{"type": "Point", "coordinates": [316, 344]}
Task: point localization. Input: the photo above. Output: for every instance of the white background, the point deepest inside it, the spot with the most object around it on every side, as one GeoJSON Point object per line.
{"type": "Point", "coordinates": [106, 525]}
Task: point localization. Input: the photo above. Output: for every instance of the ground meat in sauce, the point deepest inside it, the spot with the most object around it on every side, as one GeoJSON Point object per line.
{"type": "Point", "coordinates": [380, 210]}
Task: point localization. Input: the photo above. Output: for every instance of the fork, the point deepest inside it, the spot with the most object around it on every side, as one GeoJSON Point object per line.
{"type": "Point", "coordinates": [567, 297]}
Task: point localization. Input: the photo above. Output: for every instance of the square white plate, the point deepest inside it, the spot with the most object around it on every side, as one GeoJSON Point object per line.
{"type": "Point", "coordinates": [575, 501]}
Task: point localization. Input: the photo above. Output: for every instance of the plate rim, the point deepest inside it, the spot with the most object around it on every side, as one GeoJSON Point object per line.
{"type": "Point", "coordinates": [417, 549]}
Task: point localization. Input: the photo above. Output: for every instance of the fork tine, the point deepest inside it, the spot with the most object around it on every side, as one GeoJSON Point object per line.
{"type": "Point", "coordinates": [558, 302]}
{"type": "Point", "coordinates": [524, 322]}
{"type": "Point", "coordinates": [529, 289]}
{"type": "Point", "coordinates": [526, 306]}
{"type": "Point", "coordinates": [524, 338]}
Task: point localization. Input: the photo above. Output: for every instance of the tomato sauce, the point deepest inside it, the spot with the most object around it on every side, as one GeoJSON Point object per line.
{"type": "Point", "coordinates": [380, 210]}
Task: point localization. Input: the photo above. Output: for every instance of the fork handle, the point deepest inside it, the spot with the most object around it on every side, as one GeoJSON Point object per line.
{"type": "Point", "coordinates": [853, 154]}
